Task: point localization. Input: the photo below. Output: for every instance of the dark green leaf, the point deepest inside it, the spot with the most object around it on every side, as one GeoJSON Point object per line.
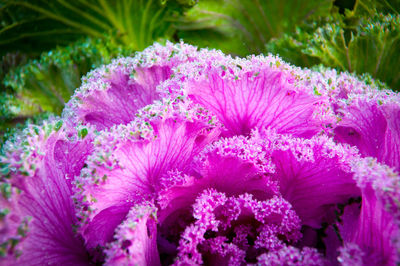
{"type": "Point", "coordinates": [33, 26]}
{"type": "Point", "coordinates": [374, 48]}
{"type": "Point", "coordinates": [243, 27]}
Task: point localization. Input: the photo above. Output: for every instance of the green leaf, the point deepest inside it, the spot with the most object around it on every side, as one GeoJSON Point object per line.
{"type": "Point", "coordinates": [243, 27]}
{"type": "Point", "coordinates": [371, 7]}
{"type": "Point", "coordinates": [44, 85]}
{"type": "Point", "coordinates": [290, 45]}
{"type": "Point", "coordinates": [34, 26]}
{"type": "Point", "coordinates": [373, 47]}
{"type": "Point", "coordinates": [10, 128]}
{"type": "Point", "coordinates": [83, 133]}
{"type": "Point", "coordinates": [348, 43]}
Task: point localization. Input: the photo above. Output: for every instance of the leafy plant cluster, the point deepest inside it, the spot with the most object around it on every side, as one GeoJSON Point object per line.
{"type": "Point", "coordinates": [365, 39]}
{"type": "Point", "coordinates": [46, 46]}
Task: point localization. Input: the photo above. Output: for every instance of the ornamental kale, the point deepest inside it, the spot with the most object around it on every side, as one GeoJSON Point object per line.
{"type": "Point", "coordinates": [184, 156]}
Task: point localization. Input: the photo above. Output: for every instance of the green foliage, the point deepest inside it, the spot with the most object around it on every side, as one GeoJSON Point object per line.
{"type": "Point", "coordinates": [291, 45]}
{"type": "Point", "coordinates": [30, 28]}
{"type": "Point", "coordinates": [10, 128]}
{"type": "Point", "coordinates": [45, 84]}
{"type": "Point", "coordinates": [34, 26]}
{"type": "Point", "coordinates": [360, 36]}
{"type": "Point", "coordinates": [290, 48]}
{"type": "Point", "coordinates": [243, 27]}
{"type": "Point", "coordinates": [371, 7]}
{"type": "Point", "coordinates": [10, 61]}
{"type": "Point", "coordinates": [371, 45]}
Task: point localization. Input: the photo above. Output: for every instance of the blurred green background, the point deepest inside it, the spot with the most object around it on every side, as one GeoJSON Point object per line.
{"type": "Point", "coordinates": [47, 46]}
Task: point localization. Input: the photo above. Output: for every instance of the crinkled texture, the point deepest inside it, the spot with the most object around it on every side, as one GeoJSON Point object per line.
{"type": "Point", "coordinates": [112, 94]}
{"type": "Point", "coordinates": [371, 123]}
{"type": "Point", "coordinates": [313, 175]}
{"type": "Point", "coordinates": [136, 238]}
{"type": "Point", "coordinates": [42, 209]}
{"type": "Point", "coordinates": [289, 255]}
{"type": "Point", "coordinates": [234, 166]}
{"type": "Point", "coordinates": [245, 95]}
{"type": "Point", "coordinates": [222, 252]}
{"type": "Point", "coordinates": [374, 227]}
{"type": "Point", "coordinates": [333, 84]}
{"type": "Point", "coordinates": [120, 175]}
{"type": "Point", "coordinates": [24, 151]}
{"type": "Point", "coordinates": [218, 216]}
{"type": "Point", "coordinates": [13, 222]}
{"type": "Point", "coordinates": [352, 255]}
{"type": "Point", "coordinates": [231, 164]}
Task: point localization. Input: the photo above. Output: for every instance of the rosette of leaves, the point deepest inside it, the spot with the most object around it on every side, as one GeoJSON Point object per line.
{"type": "Point", "coordinates": [198, 158]}
{"type": "Point", "coordinates": [243, 27]}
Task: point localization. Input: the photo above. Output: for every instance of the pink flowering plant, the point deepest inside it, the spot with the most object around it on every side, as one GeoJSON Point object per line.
{"type": "Point", "coordinates": [187, 157]}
